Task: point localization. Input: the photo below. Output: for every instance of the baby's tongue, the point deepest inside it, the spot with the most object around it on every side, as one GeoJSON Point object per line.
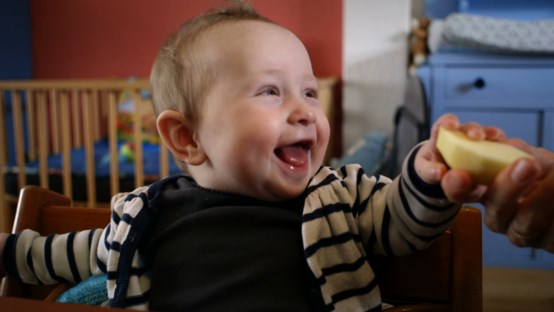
{"type": "Point", "coordinates": [294, 155]}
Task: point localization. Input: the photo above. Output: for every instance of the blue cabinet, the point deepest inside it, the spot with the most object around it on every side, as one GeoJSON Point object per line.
{"type": "Point", "coordinates": [549, 129]}
{"type": "Point", "coordinates": [514, 93]}
{"type": "Point", "coordinates": [517, 9]}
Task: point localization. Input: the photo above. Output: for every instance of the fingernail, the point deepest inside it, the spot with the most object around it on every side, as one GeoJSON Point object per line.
{"type": "Point", "coordinates": [522, 173]}
{"type": "Point", "coordinates": [455, 182]}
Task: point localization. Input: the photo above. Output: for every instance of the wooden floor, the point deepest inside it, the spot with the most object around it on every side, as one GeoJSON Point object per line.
{"type": "Point", "coordinates": [506, 290]}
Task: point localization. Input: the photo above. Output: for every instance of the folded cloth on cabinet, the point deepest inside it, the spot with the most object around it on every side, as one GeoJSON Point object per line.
{"type": "Point", "coordinates": [475, 32]}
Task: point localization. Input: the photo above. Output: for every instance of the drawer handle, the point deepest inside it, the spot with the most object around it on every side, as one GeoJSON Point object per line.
{"type": "Point", "coordinates": [479, 83]}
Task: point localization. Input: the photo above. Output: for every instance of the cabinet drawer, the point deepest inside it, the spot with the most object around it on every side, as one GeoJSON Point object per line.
{"type": "Point", "coordinates": [514, 86]}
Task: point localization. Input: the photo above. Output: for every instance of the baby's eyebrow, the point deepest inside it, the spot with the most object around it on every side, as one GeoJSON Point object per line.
{"type": "Point", "coordinates": [314, 81]}
{"type": "Point", "coordinates": [312, 78]}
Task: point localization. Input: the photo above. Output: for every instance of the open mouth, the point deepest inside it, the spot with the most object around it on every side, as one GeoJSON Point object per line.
{"type": "Point", "coordinates": [295, 155]}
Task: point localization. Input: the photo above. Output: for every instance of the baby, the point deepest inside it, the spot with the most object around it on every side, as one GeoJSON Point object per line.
{"type": "Point", "coordinates": [257, 223]}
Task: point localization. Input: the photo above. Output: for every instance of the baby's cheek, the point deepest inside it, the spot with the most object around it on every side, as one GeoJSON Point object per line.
{"type": "Point", "coordinates": [324, 132]}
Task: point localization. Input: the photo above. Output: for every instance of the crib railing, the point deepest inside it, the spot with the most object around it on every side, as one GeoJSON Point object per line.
{"type": "Point", "coordinates": [42, 118]}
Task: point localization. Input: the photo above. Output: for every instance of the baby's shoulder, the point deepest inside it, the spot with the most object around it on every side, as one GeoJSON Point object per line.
{"type": "Point", "coordinates": [346, 173]}
{"type": "Point", "coordinates": [346, 180]}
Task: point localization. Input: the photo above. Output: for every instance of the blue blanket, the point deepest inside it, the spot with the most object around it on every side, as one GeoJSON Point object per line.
{"type": "Point", "coordinates": [151, 162]}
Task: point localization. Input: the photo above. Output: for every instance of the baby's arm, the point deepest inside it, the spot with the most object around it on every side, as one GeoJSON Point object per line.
{"type": "Point", "coordinates": [68, 257]}
{"type": "Point", "coordinates": [426, 197]}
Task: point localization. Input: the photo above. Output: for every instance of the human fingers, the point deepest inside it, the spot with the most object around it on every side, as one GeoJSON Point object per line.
{"type": "Point", "coordinates": [502, 197]}
{"type": "Point", "coordinates": [519, 143]}
{"type": "Point", "coordinates": [544, 157]}
{"type": "Point", "coordinates": [429, 165]}
{"type": "Point", "coordinates": [458, 186]}
{"type": "Point", "coordinates": [534, 218]}
{"type": "Point", "coordinates": [494, 133]}
{"type": "Point", "coordinates": [537, 239]}
{"type": "Point", "coordinates": [475, 131]}
{"type": "Point", "coordinates": [448, 121]}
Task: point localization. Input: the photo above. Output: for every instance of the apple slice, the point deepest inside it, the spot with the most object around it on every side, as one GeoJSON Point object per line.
{"type": "Point", "coordinates": [483, 160]}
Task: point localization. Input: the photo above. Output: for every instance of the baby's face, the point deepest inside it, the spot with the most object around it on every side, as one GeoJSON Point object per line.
{"type": "Point", "coordinates": [262, 126]}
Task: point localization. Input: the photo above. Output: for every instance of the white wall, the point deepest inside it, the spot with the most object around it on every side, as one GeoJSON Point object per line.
{"type": "Point", "coordinates": [375, 42]}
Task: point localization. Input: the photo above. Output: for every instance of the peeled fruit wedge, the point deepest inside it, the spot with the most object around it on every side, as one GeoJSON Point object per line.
{"type": "Point", "coordinates": [483, 160]}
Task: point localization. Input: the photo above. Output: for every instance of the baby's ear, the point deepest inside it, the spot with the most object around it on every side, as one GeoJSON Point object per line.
{"type": "Point", "coordinates": [178, 135]}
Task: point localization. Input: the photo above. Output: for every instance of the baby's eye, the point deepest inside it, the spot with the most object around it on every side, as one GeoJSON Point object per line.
{"type": "Point", "coordinates": [311, 93]}
{"type": "Point", "coordinates": [271, 91]}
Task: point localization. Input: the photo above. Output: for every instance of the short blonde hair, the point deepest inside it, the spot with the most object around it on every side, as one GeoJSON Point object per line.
{"type": "Point", "coordinates": [179, 78]}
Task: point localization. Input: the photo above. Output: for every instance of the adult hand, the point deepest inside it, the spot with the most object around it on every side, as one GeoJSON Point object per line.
{"type": "Point", "coordinates": [520, 202]}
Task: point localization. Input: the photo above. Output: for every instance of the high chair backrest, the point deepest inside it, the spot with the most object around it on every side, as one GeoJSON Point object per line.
{"type": "Point", "coordinates": [445, 277]}
{"type": "Point", "coordinates": [49, 212]}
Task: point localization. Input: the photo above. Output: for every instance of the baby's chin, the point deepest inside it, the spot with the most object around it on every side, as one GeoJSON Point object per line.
{"type": "Point", "coordinates": [280, 195]}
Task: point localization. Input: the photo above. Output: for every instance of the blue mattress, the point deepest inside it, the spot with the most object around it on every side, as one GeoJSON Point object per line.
{"type": "Point", "coordinates": [151, 162]}
{"type": "Point", "coordinates": [102, 170]}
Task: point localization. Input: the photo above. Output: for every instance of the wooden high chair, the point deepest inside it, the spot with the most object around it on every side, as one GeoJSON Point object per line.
{"type": "Point", "coordinates": [48, 212]}
{"type": "Point", "coordinates": [445, 277]}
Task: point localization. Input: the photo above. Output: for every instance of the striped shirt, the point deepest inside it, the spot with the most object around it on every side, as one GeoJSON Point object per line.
{"type": "Point", "coordinates": [347, 216]}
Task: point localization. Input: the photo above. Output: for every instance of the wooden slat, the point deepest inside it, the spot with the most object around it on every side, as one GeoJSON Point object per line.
{"type": "Point", "coordinates": [76, 118]}
{"type": "Point", "coordinates": [54, 124]}
{"type": "Point", "coordinates": [88, 106]}
{"type": "Point", "coordinates": [137, 131]}
{"type": "Point", "coordinates": [42, 139]}
{"type": "Point", "coordinates": [103, 114]}
{"type": "Point", "coordinates": [4, 213]}
{"type": "Point", "coordinates": [66, 143]}
{"type": "Point", "coordinates": [94, 114]}
{"type": "Point", "coordinates": [113, 84]}
{"type": "Point", "coordinates": [19, 142]}
{"type": "Point", "coordinates": [31, 126]}
{"type": "Point", "coordinates": [112, 139]}
{"type": "Point", "coordinates": [467, 287]}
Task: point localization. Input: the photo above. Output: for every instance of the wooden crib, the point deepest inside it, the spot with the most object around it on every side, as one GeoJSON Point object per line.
{"type": "Point", "coordinates": [41, 120]}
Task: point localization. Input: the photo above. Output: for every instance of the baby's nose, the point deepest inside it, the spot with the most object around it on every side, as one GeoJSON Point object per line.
{"type": "Point", "coordinates": [302, 114]}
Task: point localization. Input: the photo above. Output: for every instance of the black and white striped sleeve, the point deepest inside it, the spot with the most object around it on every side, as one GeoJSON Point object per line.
{"type": "Point", "coordinates": [69, 257]}
{"type": "Point", "coordinates": [416, 212]}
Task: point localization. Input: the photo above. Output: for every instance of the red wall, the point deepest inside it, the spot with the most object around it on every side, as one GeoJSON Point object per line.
{"type": "Point", "coordinates": [118, 39]}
